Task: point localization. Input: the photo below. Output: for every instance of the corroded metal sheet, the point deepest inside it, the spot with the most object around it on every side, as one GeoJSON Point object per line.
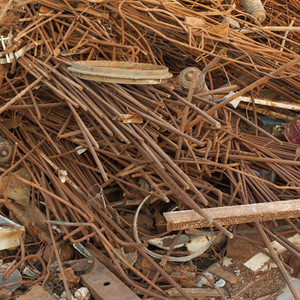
{"type": "Point", "coordinates": [238, 214]}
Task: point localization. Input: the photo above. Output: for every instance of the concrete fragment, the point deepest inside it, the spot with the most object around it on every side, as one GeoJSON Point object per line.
{"type": "Point", "coordinates": [83, 294]}
{"type": "Point", "coordinates": [9, 237]}
{"type": "Point", "coordinates": [258, 261]}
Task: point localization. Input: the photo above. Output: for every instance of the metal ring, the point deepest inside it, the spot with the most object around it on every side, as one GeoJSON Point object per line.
{"type": "Point", "coordinates": [159, 256]}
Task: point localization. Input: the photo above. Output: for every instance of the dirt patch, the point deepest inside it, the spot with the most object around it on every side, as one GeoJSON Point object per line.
{"type": "Point", "coordinates": [263, 284]}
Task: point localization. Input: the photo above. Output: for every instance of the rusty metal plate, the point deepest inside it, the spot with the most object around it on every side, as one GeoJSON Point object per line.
{"type": "Point", "coordinates": [238, 214]}
{"type": "Point", "coordinates": [104, 285]}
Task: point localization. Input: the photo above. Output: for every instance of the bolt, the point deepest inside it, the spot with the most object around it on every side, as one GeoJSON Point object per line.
{"type": "Point", "coordinates": [189, 75]}
{"type": "Point", "coordinates": [4, 153]}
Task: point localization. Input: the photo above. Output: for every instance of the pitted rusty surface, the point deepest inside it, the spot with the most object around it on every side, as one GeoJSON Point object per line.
{"type": "Point", "coordinates": [238, 214]}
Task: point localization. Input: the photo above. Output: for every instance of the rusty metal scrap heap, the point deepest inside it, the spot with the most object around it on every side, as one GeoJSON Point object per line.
{"type": "Point", "coordinates": [82, 140]}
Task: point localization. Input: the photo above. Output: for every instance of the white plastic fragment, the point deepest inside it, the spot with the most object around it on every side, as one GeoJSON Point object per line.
{"type": "Point", "coordinates": [4, 41]}
{"type": "Point", "coordinates": [80, 150]}
{"type": "Point", "coordinates": [83, 294]}
{"type": "Point", "coordinates": [11, 56]}
{"type": "Point", "coordinates": [62, 174]}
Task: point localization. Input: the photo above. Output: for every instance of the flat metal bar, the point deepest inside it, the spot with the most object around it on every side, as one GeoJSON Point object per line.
{"type": "Point", "coordinates": [104, 285]}
{"type": "Point", "coordinates": [227, 215]}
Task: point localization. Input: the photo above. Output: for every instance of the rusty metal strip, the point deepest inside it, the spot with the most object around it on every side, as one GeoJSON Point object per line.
{"type": "Point", "coordinates": [239, 214]}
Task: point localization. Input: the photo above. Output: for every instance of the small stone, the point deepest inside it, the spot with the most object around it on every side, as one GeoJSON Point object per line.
{"type": "Point", "coordinates": [203, 281]}
{"type": "Point", "coordinates": [63, 296]}
{"type": "Point", "coordinates": [198, 281]}
{"type": "Point", "coordinates": [227, 261]}
{"type": "Point", "coordinates": [220, 283]}
{"type": "Point", "coordinates": [82, 294]}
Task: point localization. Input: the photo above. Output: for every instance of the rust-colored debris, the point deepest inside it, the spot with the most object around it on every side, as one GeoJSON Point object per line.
{"type": "Point", "coordinates": [225, 215]}
{"type": "Point", "coordinates": [92, 157]}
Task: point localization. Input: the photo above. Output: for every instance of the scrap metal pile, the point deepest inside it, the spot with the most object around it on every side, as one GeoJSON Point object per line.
{"type": "Point", "coordinates": [98, 155]}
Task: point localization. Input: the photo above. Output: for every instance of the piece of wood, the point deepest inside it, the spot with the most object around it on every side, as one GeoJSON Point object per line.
{"type": "Point", "coordinates": [220, 272]}
{"type": "Point", "coordinates": [104, 285]}
{"type": "Point", "coordinates": [238, 214]}
{"type": "Point", "coordinates": [195, 293]}
{"type": "Point", "coordinates": [24, 215]}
